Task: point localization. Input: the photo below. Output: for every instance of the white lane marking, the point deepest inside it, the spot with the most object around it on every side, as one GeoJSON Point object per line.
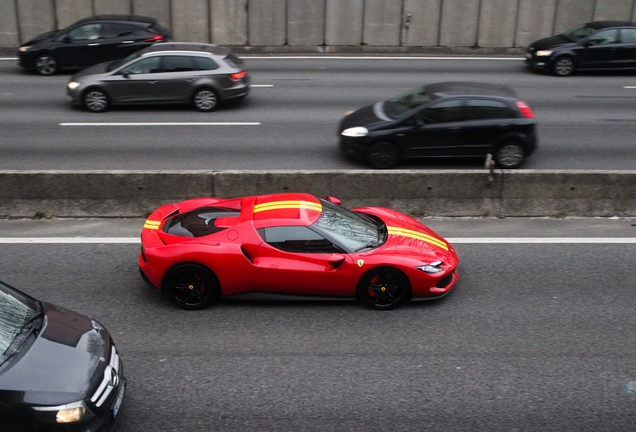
{"type": "Point", "coordinates": [262, 85]}
{"type": "Point", "coordinates": [8, 58]}
{"type": "Point", "coordinates": [162, 124]}
{"type": "Point", "coordinates": [629, 87]}
{"type": "Point", "coordinates": [324, 57]}
{"type": "Point", "coordinates": [453, 240]}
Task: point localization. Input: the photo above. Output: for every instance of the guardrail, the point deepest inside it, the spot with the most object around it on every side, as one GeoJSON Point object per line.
{"type": "Point", "coordinates": [496, 193]}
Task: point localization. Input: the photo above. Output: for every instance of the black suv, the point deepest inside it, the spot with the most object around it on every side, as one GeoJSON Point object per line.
{"type": "Point", "coordinates": [594, 45]}
{"type": "Point", "coordinates": [90, 41]}
{"type": "Point", "coordinates": [450, 119]}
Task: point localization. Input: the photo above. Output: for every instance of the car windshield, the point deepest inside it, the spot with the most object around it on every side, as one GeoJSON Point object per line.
{"type": "Point", "coordinates": [16, 312]}
{"type": "Point", "coordinates": [577, 33]}
{"type": "Point", "coordinates": [396, 107]}
{"type": "Point", "coordinates": [117, 63]}
{"type": "Point", "coordinates": [348, 228]}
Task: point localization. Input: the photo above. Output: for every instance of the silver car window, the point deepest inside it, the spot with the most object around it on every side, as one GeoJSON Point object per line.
{"type": "Point", "coordinates": [143, 66]}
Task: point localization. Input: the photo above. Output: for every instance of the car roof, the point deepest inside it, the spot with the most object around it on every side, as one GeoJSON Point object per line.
{"type": "Point", "coordinates": [286, 209]}
{"type": "Point", "coordinates": [466, 88]}
{"type": "Point", "coordinates": [604, 24]}
{"type": "Point", "coordinates": [188, 47]}
{"type": "Point", "coordinates": [116, 17]}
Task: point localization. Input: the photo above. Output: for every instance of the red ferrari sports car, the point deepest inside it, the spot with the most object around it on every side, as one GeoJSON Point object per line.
{"type": "Point", "coordinates": [292, 245]}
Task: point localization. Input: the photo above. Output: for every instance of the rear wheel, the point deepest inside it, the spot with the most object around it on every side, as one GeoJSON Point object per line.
{"type": "Point", "coordinates": [95, 100]}
{"type": "Point", "coordinates": [46, 64]}
{"type": "Point", "coordinates": [205, 100]}
{"type": "Point", "coordinates": [383, 155]}
{"type": "Point", "coordinates": [191, 286]}
{"type": "Point", "coordinates": [509, 155]}
{"type": "Point", "coordinates": [383, 288]}
{"type": "Point", "coordinates": [564, 66]}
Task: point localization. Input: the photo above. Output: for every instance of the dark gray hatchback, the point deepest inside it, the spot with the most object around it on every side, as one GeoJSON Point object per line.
{"type": "Point", "coordinates": [442, 120]}
{"type": "Point", "coordinates": [168, 73]}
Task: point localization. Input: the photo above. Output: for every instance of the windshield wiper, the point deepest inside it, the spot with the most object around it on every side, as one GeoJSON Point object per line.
{"type": "Point", "coordinates": [371, 245]}
{"type": "Point", "coordinates": [32, 325]}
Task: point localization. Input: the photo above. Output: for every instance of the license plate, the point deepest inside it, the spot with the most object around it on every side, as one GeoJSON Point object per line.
{"type": "Point", "coordinates": [119, 400]}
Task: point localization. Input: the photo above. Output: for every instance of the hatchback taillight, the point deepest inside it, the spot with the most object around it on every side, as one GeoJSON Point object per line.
{"type": "Point", "coordinates": [238, 76]}
{"type": "Point", "coordinates": [524, 109]}
{"type": "Point", "coordinates": [155, 38]}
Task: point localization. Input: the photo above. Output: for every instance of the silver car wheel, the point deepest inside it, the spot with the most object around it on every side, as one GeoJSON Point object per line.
{"type": "Point", "coordinates": [564, 66]}
{"type": "Point", "coordinates": [205, 100]}
{"type": "Point", "coordinates": [96, 101]}
{"type": "Point", "coordinates": [46, 64]}
{"type": "Point", "coordinates": [510, 155]}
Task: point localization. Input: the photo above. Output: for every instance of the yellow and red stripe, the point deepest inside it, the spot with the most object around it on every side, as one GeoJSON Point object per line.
{"type": "Point", "coordinates": [397, 231]}
{"type": "Point", "coordinates": [286, 205]}
{"type": "Point", "coordinates": [153, 225]}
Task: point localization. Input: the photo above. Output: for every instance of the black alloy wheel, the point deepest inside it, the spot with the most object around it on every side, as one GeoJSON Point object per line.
{"type": "Point", "coordinates": [192, 286]}
{"type": "Point", "coordinates": [205, 100]}
{"type": "Point", "coordinates": [564, 66]}
{"type": "Point", "coordinates": [509, 155]}
{"type": "Point", "coordinates": [383, 155]}
{"type": "Point", "coordinates": [95, 100]}
{"type": "Point", "coordinates": [383, 288]}
{"type": "Point", "coordinates": [46, 64]}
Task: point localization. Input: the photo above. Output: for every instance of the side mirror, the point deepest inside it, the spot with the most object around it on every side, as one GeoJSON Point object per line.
{"type": "Point", "coordinates": [336, 260]}
{"type": "Point", "coordinates": [66, 39]}
{"type": "Point", "coordinates": [333, 200]}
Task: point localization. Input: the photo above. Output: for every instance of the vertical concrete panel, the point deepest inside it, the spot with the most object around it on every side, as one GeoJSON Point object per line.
{"type": "Point", "coordinates": [158, 9]}
{"type": "Point", "coordinates": [229, 22]}
{"type": "Point", "coordinates": [36, 17]}
{"type": "Point", "coordinates": [382, 22]}
{"type": "Point", "coordinates": [497, 23]}
{"type": "Point", "coordinates": [344, 22]}
{"type": "Point", "coordinates": [571, 13]}
{"type": "Point", "coordinates": [112, 7]}
{"type": "Point", "coordinates": [423, 29]}
{"type": "Point", "coordinates": [536, 19]}
{"type": "Point", "coordinates": [305, 22]}
{"type": "Point", "coordinates": [190, 21]}
{"type": "Point", "coordinates": [459, 22]}
{"type": "Point", "coordinates": [69, 11]}
{"type": "Point", "coordinates": [8, 25]}
{"type": "Point", "coordinates": [613, 10]}
{"type": "Point", "coordinates": [267, 20]}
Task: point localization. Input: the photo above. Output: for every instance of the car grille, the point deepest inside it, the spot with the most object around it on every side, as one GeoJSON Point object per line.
{"type": "Point", "coordinates": [443, 283]}
{"type": "Point", "coordinates": [111, 380]}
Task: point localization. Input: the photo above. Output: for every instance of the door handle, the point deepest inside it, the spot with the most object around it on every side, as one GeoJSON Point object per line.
{"type": "Point", "coordinates": [93, 44]}
{"type": "Point", "coordinates": [153, 82]}
{"type": "Point", "coordinates": [128, 42]}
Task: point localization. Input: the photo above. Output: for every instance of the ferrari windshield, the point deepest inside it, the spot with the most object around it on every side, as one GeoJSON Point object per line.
{"type": "Point", "coordinates": [577, 33]}
{"type": "Point", "coordinates": [16, 311]}
{"type": "Point", "coordinates": [348, 228]}
{"type": "Point", "coordinates": [396, 107]}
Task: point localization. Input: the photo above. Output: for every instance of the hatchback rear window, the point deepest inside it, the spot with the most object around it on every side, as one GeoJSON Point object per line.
{"type": "Point", "coordinates": [481, 109]}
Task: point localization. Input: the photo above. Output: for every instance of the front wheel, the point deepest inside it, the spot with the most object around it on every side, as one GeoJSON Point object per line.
{"type": "Point", "coordinates": [563, 66]}
{"type": "Point", "coordinates": [383, 288]}
{"type": "Point", "coordinates": [205, 100]}
{"type": "Point", "coordinates": [46, 64]}
{"type": "Point", "coordinates": [95, 100]}
{"type": "Point", "coordinates": [509, 155]}
{"type": "Point", "coordinates": [192, 286]}
{"type": "Point", "coordinates": [383, 155]}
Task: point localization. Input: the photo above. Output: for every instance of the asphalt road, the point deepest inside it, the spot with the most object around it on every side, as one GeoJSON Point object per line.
{"type": "Point", "coordinates": [585, 121]}
{"type": "Point", "coordinates": [534, 337]}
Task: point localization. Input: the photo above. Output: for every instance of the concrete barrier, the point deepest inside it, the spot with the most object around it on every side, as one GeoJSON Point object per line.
{"type": "Point", "coordinates": [502, 193]}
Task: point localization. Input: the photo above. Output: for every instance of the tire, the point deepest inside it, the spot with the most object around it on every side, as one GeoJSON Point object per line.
{"type": "Point", "coordinates": [564, 66]}
{"type": "Point", "coordinates": [46, 64]}
{"type": "Point", "coordinates": [383, 288]}
{"type": "Point", "coordinates": [509, 155]}
{"type": "Point", "coordinates": [383, 155]}
{"type": "Point", "coordinates": [191, 286]}
{"type": "Point", "coordinates": [205, 100]}
{"type": "Point", "coordinates": [95, 100]}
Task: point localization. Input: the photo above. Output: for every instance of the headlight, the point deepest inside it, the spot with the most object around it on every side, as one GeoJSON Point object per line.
{"type": "Point", "coordinates": [24, 48]}
{"type": "Point", "coordinates": [68, 413]}
{"type": "Point", "coordinates": [355, 132]}
{"type": "Point", "coordinates": [433, 267]}
{"type": "Point", "coordinates": [349, 112]}
{"type": "Point", "coordinates": [543, 53]}
{"type": "Point", "coordinates": [73, 85]}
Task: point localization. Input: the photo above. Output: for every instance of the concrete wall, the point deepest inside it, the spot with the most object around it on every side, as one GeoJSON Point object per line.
{"type": "Point", "coordinates": [334, 23]}
{"type": "Point", "coordinates": [506, 193]}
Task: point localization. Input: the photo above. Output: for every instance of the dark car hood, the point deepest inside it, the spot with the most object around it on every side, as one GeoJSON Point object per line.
{"type": "Point", "coordinates": [42, 37]}
{"type": "Point", "coordinates": [360, 117]}
{"type": "Point", "coordinates": [61, 365]}
{"type": "Point", "coordinates": [551, 42]}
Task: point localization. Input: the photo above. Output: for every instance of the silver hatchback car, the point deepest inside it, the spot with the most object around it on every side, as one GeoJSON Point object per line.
{"type": "Point", "coordinates": [199, 74]}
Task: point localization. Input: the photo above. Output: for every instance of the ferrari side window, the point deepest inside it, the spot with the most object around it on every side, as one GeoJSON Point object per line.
{"type": "Point", "coordinates": [296, 239]}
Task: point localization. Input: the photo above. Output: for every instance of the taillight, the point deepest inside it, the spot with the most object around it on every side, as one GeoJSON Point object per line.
{"type": "Point", "coordinates": [524, 109]}
{"type": "Point", "coordinates": [237, 76]}
{"type": "Point", "coordinates": [155, 38]}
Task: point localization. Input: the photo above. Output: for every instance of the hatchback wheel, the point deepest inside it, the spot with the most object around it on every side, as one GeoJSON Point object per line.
{"type": "Point", "coordinates": [205, 100]}
{"type": "Point", "coordinates": [46, 64]}
{"type": "Point", "coordinates": [509, 155]}
{"type": "Point", "coordinates": [192, 286]}
{"type": "Point", "coordinates": [564, 66]}
{"type": "Point", "coordinates": [383, 155]}
{"type": "Point", "coordinates": [95, 100]}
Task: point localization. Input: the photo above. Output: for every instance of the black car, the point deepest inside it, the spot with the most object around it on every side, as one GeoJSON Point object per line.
{"type": "Point", "coordinates": [449, 119]}
{"type": "Point", "coordinates": [594, 45]}
{"type": "Point", "coordinates": [59, 370]}
{"type": "Point", "coordinates": [90, 41]}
